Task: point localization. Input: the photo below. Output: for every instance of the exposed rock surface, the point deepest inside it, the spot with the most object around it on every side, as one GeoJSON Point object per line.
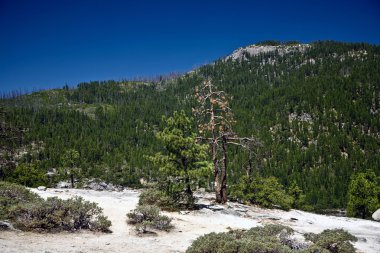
{"type": "Point", "coordinates": [5, 225]}
{"type": "Point", "coordinates": [63, 184]}
{"type": "Point", "coordinates": [41, 188]}
{"type": "Point", "coordinates": [253, 50]}
{"type": "Point", "coordinates": [102, 186]}
{"type": "Point", "coordinates": [376, 215]}
{"type": "Point", "coordinates": [186, 227]}
{"type": "Point", "coordinates": [93, 185]}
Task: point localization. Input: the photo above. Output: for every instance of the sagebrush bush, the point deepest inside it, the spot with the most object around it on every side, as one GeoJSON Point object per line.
{"type": "Point", "coordinates": [215, 243]}
{"type": "Point", "coordinates": [269, 239]}
{"type": "Point", "coordinates": [101, 224]}
{"type": "Point", "coordinates": [268, 230]}
{"type": "Point", "coordinates": [156, 197]}
{"type": "Point", "coordinates": [27, 211]}
{"type": "Point", "coordinates": [257, 239]}
{"type": "Point", "coordinates": [262, 246]}
{"type": "Point", "coordinates": [56, 214]}
{"type": "Point", "coordinates": [335, 240]}
{"type": "Point", "coordinates": [12, 194]}
{"type": "Point", "coordinates": [147, 217]}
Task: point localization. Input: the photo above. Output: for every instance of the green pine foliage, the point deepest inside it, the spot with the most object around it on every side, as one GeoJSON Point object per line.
{"type": "Point", "coordinates": [296, 193]}
{"type": "Point", "coordinates": [28, 174]}
{"type": "Point", "coordinates": [182, 161]}
{"type": "Point", "coordinates": [363, 195]}
{"type": "Point", "coordinates": [266, 192]}
{"type": "Point", "coordinates": [316, 113]}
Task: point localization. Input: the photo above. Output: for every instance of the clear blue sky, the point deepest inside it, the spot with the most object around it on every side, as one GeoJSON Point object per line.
{"type": "Point", "coordinates": [49, 43]}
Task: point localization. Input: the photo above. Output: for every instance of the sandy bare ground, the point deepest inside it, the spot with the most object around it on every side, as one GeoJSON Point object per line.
{"type": "Point", "coordinates": [187, 227]}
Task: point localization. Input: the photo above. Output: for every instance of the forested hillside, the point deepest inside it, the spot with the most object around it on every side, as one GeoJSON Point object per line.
{"type": "Point", "coordinates": [315, 108]}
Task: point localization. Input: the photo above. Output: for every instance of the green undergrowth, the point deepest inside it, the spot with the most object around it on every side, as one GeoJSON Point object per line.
{"type": "Point", "coordinates": [29, 212]}
{"type": "Point", "coordinates": [147, 218]}
{"type": "Point", "coordinates": [273, 239]}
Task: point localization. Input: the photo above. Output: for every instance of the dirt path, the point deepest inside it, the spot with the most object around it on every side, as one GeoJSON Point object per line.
{"type": "Point", "coordinates": [187, 228]}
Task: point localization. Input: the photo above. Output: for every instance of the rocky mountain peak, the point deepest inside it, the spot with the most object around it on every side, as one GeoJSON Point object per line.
{"type": "Point", "coordinates": [253, 50]}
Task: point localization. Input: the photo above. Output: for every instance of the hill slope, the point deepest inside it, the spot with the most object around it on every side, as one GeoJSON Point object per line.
{"type": "Point", "coordinates": [314, 107]}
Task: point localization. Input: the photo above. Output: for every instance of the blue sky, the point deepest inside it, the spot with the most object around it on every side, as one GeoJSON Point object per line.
{"type": "Point", "coordinates": [49, 43]}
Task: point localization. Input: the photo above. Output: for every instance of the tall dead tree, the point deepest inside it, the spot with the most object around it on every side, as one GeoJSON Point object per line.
{"type": "Point", "coordinates": [215, 120]}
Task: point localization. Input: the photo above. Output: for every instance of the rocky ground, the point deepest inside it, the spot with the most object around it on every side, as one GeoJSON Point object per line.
{"type": "Point", "coordinates": [188, 226]}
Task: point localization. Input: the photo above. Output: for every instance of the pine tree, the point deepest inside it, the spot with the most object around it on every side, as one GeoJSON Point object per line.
{"type": "Point", "coordinates": [182, 161]}
{"type": "Point", "coordinates": [363, 195]}
{"type": "Point", "coordinates": [70, 160]}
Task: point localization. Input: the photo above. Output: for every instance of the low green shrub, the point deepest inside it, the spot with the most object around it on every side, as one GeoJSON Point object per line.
{"type": "Point", "coordinates": [335, 241]}
{"type": "Point", "coordinates": [156, 197]}
{"type": "Point", "coordinates": [268, 230]}
{"type": "Point", "coordinates": [27, 211]}
{"type": "Point", "coordinates": [263, 246]}
{"type": "Point", "coordinates": [270, 239]}
{"type": "Point", "coordinates": [215, 243]}
{"type": "Point", "coordinates": [146, 217]}
{"type": "Point", "coordinates": [12, 194]}
{"type": "Point", "coordinates": [258, 240]}
{"type": "Point", "coordinates": [101, 224]}
{"type": "Point", "coordinates": [56, 214]}
{"type": "Point", "coordinates": [266, 192]}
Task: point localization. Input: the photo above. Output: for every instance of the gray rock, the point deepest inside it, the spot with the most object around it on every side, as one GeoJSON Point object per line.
{"type": "Point", "coordinates": [5, 225]}
{"type": "Point", "coordinates": [376, 215]}
{"type": "Point", "coordinates": [95, 186]}
{"type": "Point", "coordinates": [231, 211]}
{"type": "Point", "coordinates": [202, 190]}
{"type": "Point", "coordinates": [293, 241]}
{"type": "Point", "coordinates": [110, 187]}
{"type": "Point", "coordinates": [63, 184]}
{"type": "Point", "coordinates": [41, 188]}
{"type": "Point", "coordinates": [216, 207]}
{"type": "Point", "coordinates": [274, 218]}
{"type": "Point", "coordinates": [50, 174]}
{"type": "Point", "coordinates": [143, 181]}
{"type": "Point", "coordinates": [103, 184]}
{"type": "Point", "coordinates": [184, 212]}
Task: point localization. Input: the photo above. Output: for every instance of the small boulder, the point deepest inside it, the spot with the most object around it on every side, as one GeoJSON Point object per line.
{"type": "Point", "coordinates": [95, 186]}
{"type": "Point", "coordinates": [63, 184]}
{"type": "Point", "coordinates": [110, 187]}
{"type": "Point", "coordinates": [103, 184]}
{"type": "Point", "coordinates": [41, 188]}
{"type": "Point", "coordinates": [143, 181]}
{"type": "Point", "coordinates": [376, 215]}
{"type": "Point", "coordinates": [202, 190]}
{"type": "Point", "coordinates": [5, 225]}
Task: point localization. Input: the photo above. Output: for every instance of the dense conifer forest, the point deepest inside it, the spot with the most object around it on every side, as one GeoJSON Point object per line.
{"type": "Point", "coordinates": [316, 112]}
